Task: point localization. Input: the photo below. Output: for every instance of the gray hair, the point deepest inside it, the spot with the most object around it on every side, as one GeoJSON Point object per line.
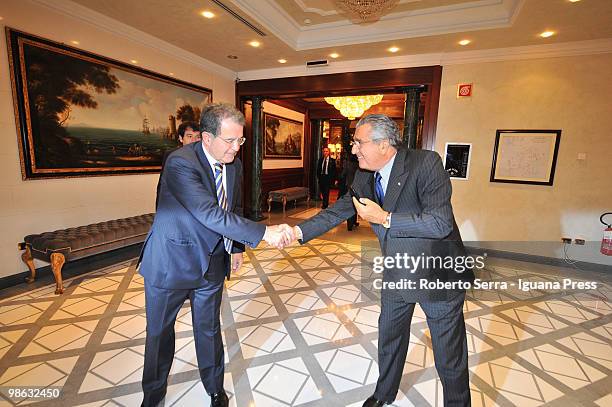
{"type": "Point", "coordinates": [382, 128]}
{"type": "Point", "coordinates": [213, 114]}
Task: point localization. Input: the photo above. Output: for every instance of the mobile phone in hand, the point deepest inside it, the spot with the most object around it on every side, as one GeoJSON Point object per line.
{"type": "Point", "coordinates": [356, 195]}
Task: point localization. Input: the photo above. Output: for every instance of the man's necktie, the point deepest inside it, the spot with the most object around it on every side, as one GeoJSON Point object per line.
{"type": "Point", "coordinates": [380, 194]}
{"type": "Point", "coordinates": [325, 166]}
{"type": "Point", "coordinates": [222, 198]}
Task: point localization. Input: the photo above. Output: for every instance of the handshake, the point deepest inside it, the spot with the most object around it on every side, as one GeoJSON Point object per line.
{"type": "Point", "coordinates": [280, 236]}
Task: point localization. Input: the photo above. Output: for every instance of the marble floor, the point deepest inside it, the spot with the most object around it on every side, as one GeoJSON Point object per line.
{"type": "Point", "coordinates": [300, 328]}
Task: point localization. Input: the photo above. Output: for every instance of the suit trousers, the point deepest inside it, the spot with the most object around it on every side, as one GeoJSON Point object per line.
{"type": "Point", "coordinates": [162, 306]}
{"type": "Point", "coordinates": [448, 337]}
{"type": "Point", "coordinates": [324, 186]}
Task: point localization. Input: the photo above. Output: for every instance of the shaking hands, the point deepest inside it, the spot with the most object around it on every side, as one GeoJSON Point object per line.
{"type": "Point", "coordinates": [280, 236]}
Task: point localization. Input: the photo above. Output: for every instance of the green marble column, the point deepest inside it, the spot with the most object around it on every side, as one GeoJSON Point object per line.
{"type": "Point", "coordinates": [257, 158]}
{"type": "Point", "coordinates": [411, 115]}
{"type": "Point", "coordinates": [317, 137]}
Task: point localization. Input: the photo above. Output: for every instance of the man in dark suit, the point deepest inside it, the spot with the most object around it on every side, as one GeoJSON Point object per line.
{"type": "Point", "coordinates": [406, 197]}
{"type": "Point", "coordinates": [326, 173]}
{"type": "Point", "coordinates": [187, 133]}
{"type": "Point", "coordinates": [187, 252]}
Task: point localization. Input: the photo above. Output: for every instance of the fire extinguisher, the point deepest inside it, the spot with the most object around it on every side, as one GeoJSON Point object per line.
{"type": "Point", "coordinates": [606, 242]}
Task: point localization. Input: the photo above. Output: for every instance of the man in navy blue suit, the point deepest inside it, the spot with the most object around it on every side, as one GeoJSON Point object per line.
{"type": "Point", "coordinates": [197, 238]}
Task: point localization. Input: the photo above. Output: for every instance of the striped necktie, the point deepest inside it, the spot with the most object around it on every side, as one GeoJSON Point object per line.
{"type": "Point", "coordinates": [222, 198]}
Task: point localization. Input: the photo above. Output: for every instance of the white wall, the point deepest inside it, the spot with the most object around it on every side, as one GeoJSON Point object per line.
{"type": "Point", "coordinates": [28, 207]}
{"type": "Point", "coordinates": [567, 93]}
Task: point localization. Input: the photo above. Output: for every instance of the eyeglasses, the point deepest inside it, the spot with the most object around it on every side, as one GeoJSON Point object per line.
{"type": "Point", "coordinates": [358, 143]}
{"type": "Point", "coordinates": [240, 140]}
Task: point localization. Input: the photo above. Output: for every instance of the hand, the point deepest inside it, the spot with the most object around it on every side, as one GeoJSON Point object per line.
{"type": "Point", "coordinates": [371, 211]}
{"type": "Point", "coordinates": [237, 260]}
{"type": "Point", "coordinates": [279, 236]}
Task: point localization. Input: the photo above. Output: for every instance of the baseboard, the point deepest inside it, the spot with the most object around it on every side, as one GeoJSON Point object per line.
{"type": "Point", "coordinates": [44, 275]}
{"type": "Point", "coordinates": [532, 258]}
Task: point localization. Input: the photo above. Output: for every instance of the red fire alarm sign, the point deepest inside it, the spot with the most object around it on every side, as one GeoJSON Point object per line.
{"type": "Point", "coordinates": [464, 90]}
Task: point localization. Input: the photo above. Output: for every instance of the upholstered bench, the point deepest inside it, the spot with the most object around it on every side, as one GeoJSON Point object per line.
{"type": "Point", "coordinates": [64, 245]}
{"type": "Point", "coordinates": [287, 194]}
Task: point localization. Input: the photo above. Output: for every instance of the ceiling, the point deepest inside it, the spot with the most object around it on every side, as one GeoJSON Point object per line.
{"type": "Point", "coordinates": [303, 30]}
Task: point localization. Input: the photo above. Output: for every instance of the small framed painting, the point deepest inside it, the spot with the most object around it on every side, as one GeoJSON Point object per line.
{"type": "Point", "coordinates": [457, 160]}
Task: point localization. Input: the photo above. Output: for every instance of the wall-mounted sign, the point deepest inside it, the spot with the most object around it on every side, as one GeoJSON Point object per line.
{"type": "Point", "coordinates": [464, 90]}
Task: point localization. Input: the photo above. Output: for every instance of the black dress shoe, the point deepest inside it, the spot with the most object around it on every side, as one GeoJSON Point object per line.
{"type": "Point", "coordinates": [372, 402]}
{"type": "Point", "coordinates": [219, 399]}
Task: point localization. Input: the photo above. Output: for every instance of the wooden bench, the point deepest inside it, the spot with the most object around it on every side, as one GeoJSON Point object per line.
{"type": "Point", "coordinates": [287, 194]}
{"type": "Point", "coordinates": [64, 245]}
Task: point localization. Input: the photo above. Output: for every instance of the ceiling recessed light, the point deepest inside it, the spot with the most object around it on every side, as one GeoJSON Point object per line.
{"type": "Point", "coordinates": [393, 49]}
{"type": "Point", "coordinates": [232, 57]}
{"type": "Point", "coordinates": [75, 42]}
{"type": "Point", "coordinates": [464, 42]}
{"type": "Point", "coordinates": [207, 14]}
{"type": "Point", "coordinates": [254, 44]}
{"type": "Point", "coordinates": [133, 61]}
{"type": "Point", "coordinates": [307, 21]}
{"type": "Point", "coordinates": [282, 61]}
{"type": "Point", "coordinates": [547, 34]}
{"type": "Point", "coordinates": [171, 73]}
{"type": "Point", "coordinates": [334, 55]}
{"type": "Point", "coordinates": [574, 1]}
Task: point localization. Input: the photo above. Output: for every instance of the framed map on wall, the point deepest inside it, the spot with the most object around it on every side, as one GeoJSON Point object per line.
{"type": "Point", "coordinates": [525, 156]}
{"type": "Point", "coordinates": [81, 114]}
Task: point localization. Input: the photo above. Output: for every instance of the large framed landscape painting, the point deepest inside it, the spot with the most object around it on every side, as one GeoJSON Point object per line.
{"type": "Point", "coordinates": [82, 114]}
{"type": "Point", "coordinates": [284, 138]}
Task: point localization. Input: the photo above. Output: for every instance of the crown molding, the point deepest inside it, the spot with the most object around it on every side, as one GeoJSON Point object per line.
{"type": "Point", "coordinates": [576, 48]}
{"type": "Point", "coordinates": [105, 23]}
{"type": "Point", "coordinates": [475, 15]}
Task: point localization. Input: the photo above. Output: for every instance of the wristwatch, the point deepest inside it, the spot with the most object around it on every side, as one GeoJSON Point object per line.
{"type": "Point", "coordinates": [387, 222]}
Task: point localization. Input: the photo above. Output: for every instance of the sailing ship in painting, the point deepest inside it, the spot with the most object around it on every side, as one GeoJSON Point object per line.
{"type": "Point", "coordinates": [93, 146]}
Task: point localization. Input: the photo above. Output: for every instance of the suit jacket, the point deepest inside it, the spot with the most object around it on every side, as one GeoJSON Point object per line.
{"type": "Point", "coordinates": [331, 168]}
{"type": "Point", "coordinates": [419, 196]}
{"type": "Point", "coordinates": [164, 158]}
{"type": "Point", "coordinates": [183, 244]}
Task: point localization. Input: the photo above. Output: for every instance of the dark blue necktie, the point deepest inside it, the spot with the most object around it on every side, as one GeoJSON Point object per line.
{"type": "Point", "coordinates": [380, 194]}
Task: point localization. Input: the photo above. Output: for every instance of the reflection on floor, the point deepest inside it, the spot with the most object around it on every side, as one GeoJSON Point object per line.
{"type": "Point", "coordinates": [300, 328]}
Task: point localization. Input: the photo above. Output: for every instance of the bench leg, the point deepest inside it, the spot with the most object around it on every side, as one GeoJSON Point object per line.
{"type": "Point", "coordinates": [29, 261]}
{"type": "Point", "coordinates": [284, 204]}
{"type": "Point", "coordinates": [269, 205]}
{"type": "Point", "coordinates": [57, 262]}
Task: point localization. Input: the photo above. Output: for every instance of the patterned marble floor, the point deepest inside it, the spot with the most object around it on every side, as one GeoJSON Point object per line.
{"type": "Point", "coordinates": [300, 328]}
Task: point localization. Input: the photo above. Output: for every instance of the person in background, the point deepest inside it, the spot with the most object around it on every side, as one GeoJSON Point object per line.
{"type": "Point", "coordinates": [187, 133]}
{"type": "Point", "coordinates": [326, 174]}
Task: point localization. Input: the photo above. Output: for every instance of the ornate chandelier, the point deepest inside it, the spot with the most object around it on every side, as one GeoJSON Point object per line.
{"type": "Point", "coordinates": [365, 10]}
{"type": "Point", "coordinates": [353, 106]}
